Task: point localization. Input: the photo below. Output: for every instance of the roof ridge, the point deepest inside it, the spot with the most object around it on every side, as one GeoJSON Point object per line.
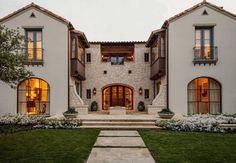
{"type": "Point", "coordinates": [39, 8]}
{"type": "Point", "coordinates": [204, 2]}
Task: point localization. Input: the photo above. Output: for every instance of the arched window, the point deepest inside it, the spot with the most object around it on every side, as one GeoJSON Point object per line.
{"type": "Point", "coordinates": [33, 97]}
{"type": "Point", "coordinates": [204, 96]}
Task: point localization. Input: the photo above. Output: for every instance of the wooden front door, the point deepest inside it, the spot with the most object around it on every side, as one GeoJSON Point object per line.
{"type": "Point", "coordinates": [117, 95]}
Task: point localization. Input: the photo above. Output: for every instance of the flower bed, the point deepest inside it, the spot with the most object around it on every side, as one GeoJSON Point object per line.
{"type": "Point", "coordinates": [38, 121]}
{"type": "Point", "coordinates": [199, 123]}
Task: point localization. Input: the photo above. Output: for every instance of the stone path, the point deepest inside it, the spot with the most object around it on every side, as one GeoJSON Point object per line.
{"type": "Point", "coordinates": [120, 146]}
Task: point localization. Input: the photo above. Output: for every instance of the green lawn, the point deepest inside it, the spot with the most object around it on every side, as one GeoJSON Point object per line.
{"type": "Point", "coordinates": [47, 145]}
{"type": "Point", "coordinates": [167, 146]}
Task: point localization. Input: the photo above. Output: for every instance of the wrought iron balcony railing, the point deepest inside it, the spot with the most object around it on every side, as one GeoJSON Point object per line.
{"type": "Point", "coordinates": [34, 55]}
{"type": "Point", "coordinates": [205, 55]}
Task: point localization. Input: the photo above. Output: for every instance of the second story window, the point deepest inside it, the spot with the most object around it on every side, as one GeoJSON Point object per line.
{"type": "Point", "coordinates": [34, 46]}
{"type": "Point", "coordinates": [204, 50]}
{"type": "Point", "coordinates": [117, 60]}
{"type": "Point", "coordinates": [88, 57]}
{"type": "Point", "coordinates": [146, 57]}
{"type": "Point", "coordinates": [117, 53]}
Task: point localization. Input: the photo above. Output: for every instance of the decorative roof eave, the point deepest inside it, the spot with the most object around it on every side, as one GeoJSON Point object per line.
{"type": "Point", "coordinates": [153, 36]}
{"type": "Point", "coordinates": [82, 37]}
{"type": "Point", "coordinates": [199, 5]}
{"type": "Point", "coordinates": [33, 5]}
{"type": "Point", "coordinates": [117, 43]}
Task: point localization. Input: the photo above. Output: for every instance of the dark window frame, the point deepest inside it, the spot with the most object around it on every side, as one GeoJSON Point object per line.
{"type": "Point", "coordinates": [88, 94]}
{"type": "Point", "coordinates": [88, 57]}
{"type": "Point", "coordinates": [146, 93]}
{"type": "Point", "coordinates": [28, 90]}
{"type": "Point", "coordinates": [146, 57]}
{"type": "Point", "coordinates": [34, 61]}
{"type": "Point", "coordinates": [199, 91]}
{"type": "Point", "coordinates": [200, 51]}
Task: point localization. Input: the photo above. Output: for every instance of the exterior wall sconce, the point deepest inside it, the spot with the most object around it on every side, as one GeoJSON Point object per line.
{"type": "Point", "coordinates": [140, 91]}
{"type": "Point", "coordinates": [94, 91]}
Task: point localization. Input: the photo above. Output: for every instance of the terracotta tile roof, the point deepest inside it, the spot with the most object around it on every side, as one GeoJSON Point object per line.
{"type": "Point", "coordinates": [68, 23]}
{"type": "Point", "coordinates": [117, 43]}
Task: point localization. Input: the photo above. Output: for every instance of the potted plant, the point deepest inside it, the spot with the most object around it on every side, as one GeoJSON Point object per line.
{"type": "Point", "coordinates": [141, 106]}
{"type": "Point", "coordinates": [166, 113]}
{"type": "Point", "coordinates": [70, 113]}
{"type": "Point", "coordinates": [94, 106]}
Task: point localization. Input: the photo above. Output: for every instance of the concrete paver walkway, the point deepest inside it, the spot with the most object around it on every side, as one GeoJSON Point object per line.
{"type": "Point", "coordinates": [120, 146]}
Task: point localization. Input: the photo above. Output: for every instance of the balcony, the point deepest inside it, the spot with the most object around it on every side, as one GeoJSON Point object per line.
{"type": "Point", "coordinates": [158, 68]}
{"type": "Point", "coordinates": [77, 69]}
{"type": "Point", "coordinates": [205, 55]}
{"type": "Point", "coordinates": [34, 55]}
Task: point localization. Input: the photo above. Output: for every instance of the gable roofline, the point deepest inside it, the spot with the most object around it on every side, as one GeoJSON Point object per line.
{"type": "Point", "coordinates": [153, 35]}
{"type": "Point", "coordinates": [195, 7]}
{"type": "Point", "coordinates": [33, 5]}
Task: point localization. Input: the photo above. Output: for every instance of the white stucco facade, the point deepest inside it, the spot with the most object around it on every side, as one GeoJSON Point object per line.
{"type": "Point", "coordinates": [176, 49]}
{"type": "Point", "coordinates": [181, 34]}
{"type": "Point", "coordinates": [55, 68]}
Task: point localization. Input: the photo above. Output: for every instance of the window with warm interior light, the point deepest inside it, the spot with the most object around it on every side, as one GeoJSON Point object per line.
{"type": "Point", "coordinates": [204, 49]}
{"type": "Point", "coordinates": [204, 96]}
{"type": "Point", "coordinates": [34, 46]}
{"type": "Point", "coordinates": [33, 96]}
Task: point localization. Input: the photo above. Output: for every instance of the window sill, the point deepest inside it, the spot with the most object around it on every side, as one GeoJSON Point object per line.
{"type": "Point", "coordinates": [204, 62]}
{"type": "Point", "coordinates": [33, 63]}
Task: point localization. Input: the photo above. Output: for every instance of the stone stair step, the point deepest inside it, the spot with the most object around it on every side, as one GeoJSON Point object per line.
{"type": "Point", "coordinates": [119, 123]}
{"type": "Point", "coordinates": [120, 119]}
{"type": "Point", "coordinates": [120, 127]}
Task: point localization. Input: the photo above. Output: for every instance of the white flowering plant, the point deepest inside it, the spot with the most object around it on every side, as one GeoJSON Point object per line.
{"type": "Point", "coordinates": [199, 123]}
{"type": "Point", "coordinates": [38, 121]}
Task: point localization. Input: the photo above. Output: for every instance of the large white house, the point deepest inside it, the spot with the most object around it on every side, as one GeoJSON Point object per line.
{"type": "Point", "coordinates": [187, 65]}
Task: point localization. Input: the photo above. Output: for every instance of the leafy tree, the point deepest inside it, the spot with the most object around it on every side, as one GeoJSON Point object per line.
{"type": "Point", "coordinates": [12, 59]}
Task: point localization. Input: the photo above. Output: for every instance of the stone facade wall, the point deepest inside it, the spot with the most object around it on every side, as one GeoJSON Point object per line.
{"type": "Point", "coordinates": [117, 74]}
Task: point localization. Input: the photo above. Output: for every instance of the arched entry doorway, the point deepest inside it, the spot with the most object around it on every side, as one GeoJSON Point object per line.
{"type": "Point", "coordinates": [117, 95]}
{"type": "Point", "coordinates": [33, 96]}
{"type": "Point", "coordinates": [204, 96]}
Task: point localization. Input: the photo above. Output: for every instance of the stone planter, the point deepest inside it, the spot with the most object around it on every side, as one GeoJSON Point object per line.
{"type": "Point", "coordinates": [70, 115]}
{"type": "Point", "coordinates": [166, 115]}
